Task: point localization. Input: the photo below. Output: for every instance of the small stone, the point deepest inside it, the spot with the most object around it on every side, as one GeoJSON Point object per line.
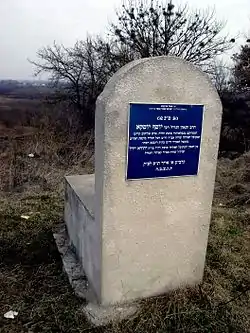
{"type": "Point", "coordinates": [25, 217]}
{"type": "Point", "coordinates": [10, 314]}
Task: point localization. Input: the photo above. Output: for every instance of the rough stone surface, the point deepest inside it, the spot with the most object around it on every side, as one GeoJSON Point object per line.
{"type": "Point", "coordinates": [71, 265]}
{"type": "Point", "coordinates": [103, 315]}
{"type": "Point", "coordinates": [154, 232]}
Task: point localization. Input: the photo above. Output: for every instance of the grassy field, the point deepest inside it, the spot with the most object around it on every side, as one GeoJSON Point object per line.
{"type": "Point", "coordinates": [31, 276]}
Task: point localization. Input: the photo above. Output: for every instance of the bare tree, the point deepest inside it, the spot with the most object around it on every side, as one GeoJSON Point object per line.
{"type": "Point", "coordinates": [65, 67]}
{"type": "Point", "coordinates": [241, 70]}
{"type": "Point", "coordinates": [220, 73]}
{"type": "Point", "coordinates": [153, 29]}
{"type": "Point", "coordinates": [79, 73]}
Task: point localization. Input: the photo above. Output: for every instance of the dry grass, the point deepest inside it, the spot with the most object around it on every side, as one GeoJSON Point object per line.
{"type": "Point", "coordinates": [233, 181]}
{"type": "Point", "coordinates": [31, 277]}
{"type": "Point", "coordinates": [54, 157]}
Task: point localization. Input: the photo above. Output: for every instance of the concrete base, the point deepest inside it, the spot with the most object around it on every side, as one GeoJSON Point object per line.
{"type": "Point", "coordinates": [96, 314]}
{"type": "Point", "coordinates": [71, 265]}
{"type": "Point", "coordinates": [103, 315]}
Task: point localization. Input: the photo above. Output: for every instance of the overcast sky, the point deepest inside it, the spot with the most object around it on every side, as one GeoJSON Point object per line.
{"type": "Point", "coordinates": [27, 25]}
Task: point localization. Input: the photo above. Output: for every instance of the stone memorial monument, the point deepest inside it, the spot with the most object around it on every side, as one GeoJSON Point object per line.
{"type": "Point", "coordinates": [139, 225]}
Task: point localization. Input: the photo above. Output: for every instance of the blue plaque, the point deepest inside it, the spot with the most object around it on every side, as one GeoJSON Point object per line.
{"type": "Point", "coordinates": [163, 140]}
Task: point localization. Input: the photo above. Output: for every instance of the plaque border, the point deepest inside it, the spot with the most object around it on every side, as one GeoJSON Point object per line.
{"type": "Point", "coordinates": [127, 140]}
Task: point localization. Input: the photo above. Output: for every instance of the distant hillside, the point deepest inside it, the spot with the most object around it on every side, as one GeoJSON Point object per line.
{"type": "Point", "coordinates": [24, 89]}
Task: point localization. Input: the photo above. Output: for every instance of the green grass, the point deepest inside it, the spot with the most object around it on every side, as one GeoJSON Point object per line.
{"type": "Point", "coordinates": [33, 283]}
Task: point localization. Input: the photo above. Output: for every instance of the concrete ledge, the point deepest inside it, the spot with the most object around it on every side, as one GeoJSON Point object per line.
{"type": "Point", "coordinates": [96, 314]}
{"type": "Point", "coordinates": [83, 230]}
{"type": "Point", "coordinates": [84, 187]}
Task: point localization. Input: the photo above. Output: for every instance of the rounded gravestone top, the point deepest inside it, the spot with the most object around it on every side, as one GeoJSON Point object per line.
{"type": "Point", "coordinates": [160, 79]}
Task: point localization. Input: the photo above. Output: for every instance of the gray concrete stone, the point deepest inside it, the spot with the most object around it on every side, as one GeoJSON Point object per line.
{"type": "Point", "coordinates": [141, 238]}
{"type": "Point", "coordinates": [84, 233]}
{"type": "Point", "coordinates": [97, 315]}
{"type": "Point", "coordinates": [71, 265]}
{"type": "Point", "coordinates": [154, 232]}
{"type": "Point", "coordinates": [84, 188]}
{"type": "Point", "coordinates": [103, 315]}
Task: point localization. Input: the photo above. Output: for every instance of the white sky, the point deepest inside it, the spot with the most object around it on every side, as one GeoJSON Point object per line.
{"type": "Point", "coordinates": [27, 25]}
